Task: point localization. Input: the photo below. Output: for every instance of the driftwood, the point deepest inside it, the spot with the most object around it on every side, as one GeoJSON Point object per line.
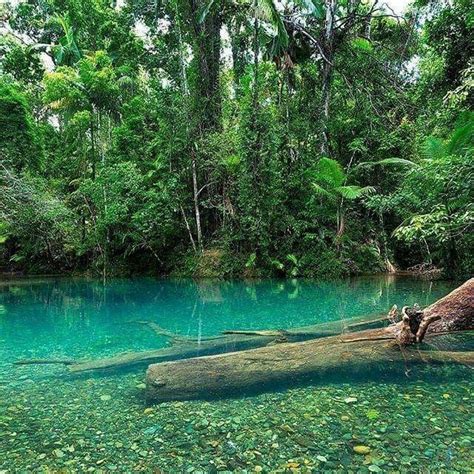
{"type": "Point", "coordinates": [184, 347]}
{"type": "Point", "coordinates": [259, 369]}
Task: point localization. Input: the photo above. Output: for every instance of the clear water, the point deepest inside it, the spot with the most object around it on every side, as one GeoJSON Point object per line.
{"type": "Point", "coordinates": [52, 420]}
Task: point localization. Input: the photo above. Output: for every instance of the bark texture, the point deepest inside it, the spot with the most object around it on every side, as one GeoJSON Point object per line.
{"type": "Point", "coordinates": [259, 369]}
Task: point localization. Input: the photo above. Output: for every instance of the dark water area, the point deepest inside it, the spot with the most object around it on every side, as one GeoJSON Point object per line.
{"type": "Point", "coordinates": [382, 419]}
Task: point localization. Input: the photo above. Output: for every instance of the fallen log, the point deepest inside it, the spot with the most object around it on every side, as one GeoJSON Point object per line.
{"type": "Point", "coordinates": [454, 312]}
{"type": "Point", "coordinates": [45, 361]}
{"type": "Point", "coordinates": [267, 367]}
{"type": "Point", "coordinates": [230, 341]}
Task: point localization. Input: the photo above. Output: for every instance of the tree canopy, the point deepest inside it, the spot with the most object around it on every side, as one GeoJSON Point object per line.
{"type": "Point", "coordinates": [228, 138]}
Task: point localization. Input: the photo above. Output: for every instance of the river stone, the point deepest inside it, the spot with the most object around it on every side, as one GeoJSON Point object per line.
{"type": "Point", "coordinates": [304, 441]}
{"type": "Point", "coordinates": [58, 453]}
{"type": "Point", "coordinates": [374, 468]}
{"type": "Point", "coordinates": [360, 449]}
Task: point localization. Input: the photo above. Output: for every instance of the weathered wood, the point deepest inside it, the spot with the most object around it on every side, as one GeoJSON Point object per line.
{"type": "Point", "coordinates": [268, 367]}
{"type": "Point", "coordinates": [45, 361]}
{"type": "Point", "coordinates": [454, 312]}
{"type": "Point", "coordinates": [185, 347]}
{"type": "Point", "coordinates": [258, 369]}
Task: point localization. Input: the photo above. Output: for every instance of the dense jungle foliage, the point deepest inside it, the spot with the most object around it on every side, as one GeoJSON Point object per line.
{"type": "Point", "coordinates": [236, 137]}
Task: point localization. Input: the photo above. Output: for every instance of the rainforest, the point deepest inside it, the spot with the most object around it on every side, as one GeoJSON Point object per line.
{"type": "Point", "coordinates": [242, 138]}
{"type": "Point", "coordinates": [236, 236]}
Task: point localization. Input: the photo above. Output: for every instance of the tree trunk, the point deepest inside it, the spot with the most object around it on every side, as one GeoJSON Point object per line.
{"type": "Point", "coordinates": [282, 364]}
{"type": "Point", "coordinates": [196, 202]}
{"type": "Point", "coordinates": [327, 71]}
{"type": "Point", "coordinates": [229, 341]}
{"type": "Point", "coordinates": [206, 52]}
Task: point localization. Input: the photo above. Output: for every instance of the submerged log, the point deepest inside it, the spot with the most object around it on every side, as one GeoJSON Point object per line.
{"type": "Point", "coordinates": [259, 369]}
{"type": "Point", "coordinates": [293, 363]}
{"type": "Point", "coordinates": [184, 347]}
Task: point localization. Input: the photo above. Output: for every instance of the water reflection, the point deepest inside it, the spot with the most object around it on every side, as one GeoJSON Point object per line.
{"type": "Point", "coordinates": [82, 317]}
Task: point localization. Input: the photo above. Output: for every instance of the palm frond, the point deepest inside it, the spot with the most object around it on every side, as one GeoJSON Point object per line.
{"type": "Point", "coordinates": [354, 192]}
{"type": "Point", "coordinates": [319, 190]}
{"type": "Point", "coordinates": [329, 171]}
{"type": "Point", "coordinates": [275, 18]}
{"type": "Point", "coordinates": [434, 149]}
{"type": "Point", "coordinates": [462, 138]}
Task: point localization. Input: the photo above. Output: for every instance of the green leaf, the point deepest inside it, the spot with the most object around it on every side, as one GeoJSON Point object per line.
{"type": "Point", "coordinates": [354, 192]}
{"type": "Point", "coordinates": [319, 190]}
{"type": "Point", "coordinates": [205, 11]}
{"type": "Point", "coordinates": [275, 18]}
{"type": "Point", "coordinates": [251, 260]}
{"type": "Point", "coordinates": [277, 264]}
{"type": "Point", "coordinates": [312, 7]}
{"type": "Point", "coordinates": [362, 44]}
{"type": "Point", "coordinates": [329, 171]}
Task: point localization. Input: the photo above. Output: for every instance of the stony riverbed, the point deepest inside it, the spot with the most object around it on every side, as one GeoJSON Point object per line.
{"type": "Point", "coordinates": [51, 422]}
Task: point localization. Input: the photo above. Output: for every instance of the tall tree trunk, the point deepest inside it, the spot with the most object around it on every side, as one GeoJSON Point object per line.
{"type": "Point", "coordinates": [204, 88]}
{"type": "Point", "coordinates": [239, 49]}
{"type": "Point", "coordinates": [206, 50]}
{"type": "Point", "coordinates": [256, 52]}
{"type": "Point", "coordinates": [181, 48]}
{"type": "Point", "coordinates": [196, 202]}
{"type": "Point", "coordinates": [327, 72]}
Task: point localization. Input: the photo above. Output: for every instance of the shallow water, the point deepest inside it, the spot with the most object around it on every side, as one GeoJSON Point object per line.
{"type": "Point", "coordinates": [51, 420]}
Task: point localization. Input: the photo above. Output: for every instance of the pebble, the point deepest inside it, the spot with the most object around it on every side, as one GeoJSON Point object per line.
{"type": "Point", "coordinates": [374, 468]}
{"type": "Point", "coordinates": [360, 449]}
{"type": "Point", "coordinates": [58, 453]}
{"type": "Point", "coordinates": [350, 400]}
{"type": "Point", "coordinates": [306, 429]}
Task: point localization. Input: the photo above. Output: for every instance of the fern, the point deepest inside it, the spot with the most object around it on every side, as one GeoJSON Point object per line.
{"type": "Point", "coordinates": [319, 190]}
{"type": "Point", "coordinates": [329, 171]}
{"type": "Point", "coordinates": [354, 192]}
{"type": "Point", "coordinates": [386, 161]}
{"type": "Point", "coordinates": [434, 149]}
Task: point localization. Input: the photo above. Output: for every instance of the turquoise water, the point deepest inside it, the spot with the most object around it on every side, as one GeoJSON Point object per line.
{"type": "Point", "coordinates": [50, 419]}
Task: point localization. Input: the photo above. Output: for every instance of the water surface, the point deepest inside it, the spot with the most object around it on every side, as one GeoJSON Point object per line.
{"type": "Point", "coordinates": [49, 419]}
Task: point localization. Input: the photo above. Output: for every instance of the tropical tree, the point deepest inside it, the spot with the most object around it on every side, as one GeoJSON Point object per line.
{"type": "Point", "coordinates": [439, 197]}
{"type": "Point", "coordinates": [329, 180]}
